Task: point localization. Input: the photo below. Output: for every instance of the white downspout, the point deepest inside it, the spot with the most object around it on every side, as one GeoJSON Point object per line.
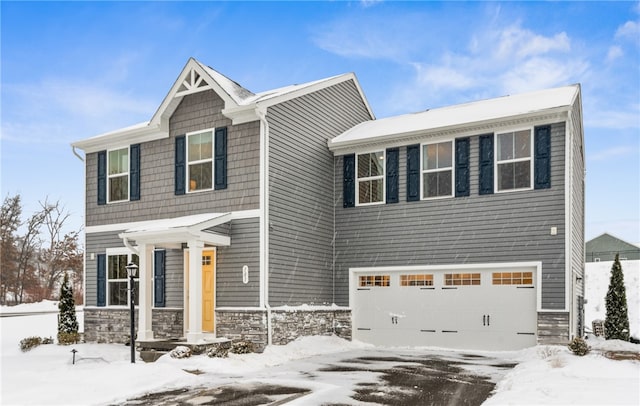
{"type": "Point", "coordinates": [265, 219]}
{"type": "Point", "coordinates": [73, 149]}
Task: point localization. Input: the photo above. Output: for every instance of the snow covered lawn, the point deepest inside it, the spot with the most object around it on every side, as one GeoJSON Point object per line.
{"type": "Point", "coordinates": [103, 373]}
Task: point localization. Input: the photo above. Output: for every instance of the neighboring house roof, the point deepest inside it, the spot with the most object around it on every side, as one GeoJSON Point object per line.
{"type": "Point", "coordinates": [605, 246]}
{"type": "Point", "coordinates": [610, 241]}
{"type": "Point", "coordinates": [241, 105]}
{"type": "Point", "coordinates": [458, 116]}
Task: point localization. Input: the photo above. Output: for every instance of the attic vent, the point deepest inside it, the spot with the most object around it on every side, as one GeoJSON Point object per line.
{"type": "Point", "coordinates": [192, 83]}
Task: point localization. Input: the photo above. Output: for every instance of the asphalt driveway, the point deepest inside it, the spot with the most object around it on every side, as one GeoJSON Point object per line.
{"type": "Point", "coordinates": [387, 377]}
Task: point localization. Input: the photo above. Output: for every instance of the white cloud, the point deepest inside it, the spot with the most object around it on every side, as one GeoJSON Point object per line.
{"type": "Point", "coordinates": [521, 43]}
{"type": "Point", "coordinates": [614, 53]}
{"type": "Point", "coordinates": [611, 153]}
{"type": "Point", "coordinates": [61, 110]}
{"type": "Point", "coordinates": [630, 30]}
{"type": "Point", "coordinates": [375, 36]}
{"type": "Point", "coordinates": [542, 73]}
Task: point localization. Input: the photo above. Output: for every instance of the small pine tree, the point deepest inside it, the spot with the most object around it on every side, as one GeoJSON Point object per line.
{"type": "Point", "coordinates": [67, 323]}
{"type": "Point", "coordinates": [616, 324]}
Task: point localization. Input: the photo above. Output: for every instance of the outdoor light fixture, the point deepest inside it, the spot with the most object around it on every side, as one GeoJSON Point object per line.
{"type": "Point", "coordinates": [132, 270]}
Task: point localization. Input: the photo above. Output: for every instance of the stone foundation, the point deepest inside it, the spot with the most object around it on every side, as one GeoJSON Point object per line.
{"type": "Point", "coordinates": [245, 324]}
{"type": "Point", "coordinates": [105, 325]}
{"type": "Point", "coordinates": [289, 324]}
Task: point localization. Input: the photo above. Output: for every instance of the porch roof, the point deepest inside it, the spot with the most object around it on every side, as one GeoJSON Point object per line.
{"type": "Point", "coordinates": [180, 229]}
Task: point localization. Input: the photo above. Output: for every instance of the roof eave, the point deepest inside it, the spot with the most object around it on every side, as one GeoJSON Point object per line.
{"type": "Point", "coordinates": [396, 139]}
{"type": "Point", "coordinates": [127, 136]}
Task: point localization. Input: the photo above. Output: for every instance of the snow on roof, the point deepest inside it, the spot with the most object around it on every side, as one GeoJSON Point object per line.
{"type": "Point", "coordinates": [238, 93]}
{"type": "Point", "coordinates": [460, 114]}
{"type": "Point", "coordinates": [175, 223]}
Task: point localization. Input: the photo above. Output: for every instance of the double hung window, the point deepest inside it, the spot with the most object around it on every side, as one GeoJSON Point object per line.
{"type": "Point", "coordinates": [437, 170]}
{"type": "Point", "coordinates": [118, 280]}
{"type": "Point", "coordinates": [370, 177]}
{"type": "Point", "coordinates": [118, 183]}
{"type": "Point", "coordinates": [514, 163]}
{"type": "Point", "coordinates": [200, 160]}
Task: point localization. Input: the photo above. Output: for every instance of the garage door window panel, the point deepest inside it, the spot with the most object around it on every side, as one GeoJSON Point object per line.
{"type": "Point", "coordinates": [461, 279]}
{"type": "Point", "coordinates": [512, 278]}
{"type": "Point", "coordinates": [416, 280]}
{"type": "Point", "coordinates": [375, 280]}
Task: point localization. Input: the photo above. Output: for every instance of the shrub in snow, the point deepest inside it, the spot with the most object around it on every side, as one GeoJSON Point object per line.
{"type": "Point", "coordinates": [180, 352]}
{"type": "Point", "coordinates": [47, 340]}
{"type": "Point", "coordinates": [30, 342]}
{"type": "Point", "coordinates": [616, 324]}
{"type": "Point", "coordinates": [217, 351]}
{"type": "Point", "coordinates": [67, 323]}
{"type": "Point", "coordinates": [579, 347]}
{"type": "Point", "coordinates": [242, 347]}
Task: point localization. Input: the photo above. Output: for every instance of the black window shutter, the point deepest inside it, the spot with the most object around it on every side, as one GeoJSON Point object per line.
{"type": "Point", "coordinates": [462, 167]}
{"type": "Point", "coordinates": [349, 181]}
{"type": "Point", "coordinates": [220, 170]}
{"type": "Point", "coordinates": [102, 177]}
{"type": "Point", "coordinates": [486, 164]}
{"type": "Point", "coordinates": [393, 181]}
{"type": "Point", "coordinates": [102, 280]}
{"type": "Point", "coordinates": [134, 172]}
{"type": "Point", "coordinates": [542, 157]}
{"type": "Point", "coordinates": [158, 279]}
{"type": "Point", "coordinates": [180, 160]}
{"type": "Point", "coordinates": [413, 173]}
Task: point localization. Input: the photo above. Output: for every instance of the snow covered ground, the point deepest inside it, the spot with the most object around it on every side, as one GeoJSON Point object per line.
{"type": "Point", "coordinates": [597, 276]}
{"type": "Point", "coordinates": [103, 373]}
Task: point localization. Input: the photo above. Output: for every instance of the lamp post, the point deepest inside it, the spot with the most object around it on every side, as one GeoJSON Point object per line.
{"type": "Point", "coordinates": [132, 270]}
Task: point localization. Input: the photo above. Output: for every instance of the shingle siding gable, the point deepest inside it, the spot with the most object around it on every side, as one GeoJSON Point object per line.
{"type": "Point", "coordinates": [158, 200]}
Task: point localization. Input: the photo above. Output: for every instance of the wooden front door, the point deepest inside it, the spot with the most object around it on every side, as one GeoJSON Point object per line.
{"type": "Point", "coordinates": [208, 289]}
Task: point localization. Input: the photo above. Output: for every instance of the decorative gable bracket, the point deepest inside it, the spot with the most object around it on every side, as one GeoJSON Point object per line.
{"type": "Point", "coordinates": [192, 83]}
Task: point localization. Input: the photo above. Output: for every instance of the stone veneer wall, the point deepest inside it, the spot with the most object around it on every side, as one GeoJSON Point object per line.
{"type": "Point", "coordinates": [287, 324]}
{"type": "Point", "coordinates": [245, 324]}
{"type": "Point", "coordinates": [105, 325]}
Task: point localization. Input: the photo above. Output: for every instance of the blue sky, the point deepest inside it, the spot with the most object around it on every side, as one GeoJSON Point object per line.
{"type": "Point", "coordinates": [77, 69]}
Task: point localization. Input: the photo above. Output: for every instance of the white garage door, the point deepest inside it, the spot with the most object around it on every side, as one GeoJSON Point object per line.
{"type": "Point", "coordinates": [491, 309]}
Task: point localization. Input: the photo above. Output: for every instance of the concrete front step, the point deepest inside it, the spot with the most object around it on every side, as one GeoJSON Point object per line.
{"type": "Point", "coordinates": [151, 350]}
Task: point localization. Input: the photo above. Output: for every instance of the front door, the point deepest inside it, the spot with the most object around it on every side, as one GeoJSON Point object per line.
{"type": "Point", "coordinates": [208, 290]}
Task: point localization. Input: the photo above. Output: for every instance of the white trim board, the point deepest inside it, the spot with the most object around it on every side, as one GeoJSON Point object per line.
{"type": "Point", "coordinates": [105, 228]}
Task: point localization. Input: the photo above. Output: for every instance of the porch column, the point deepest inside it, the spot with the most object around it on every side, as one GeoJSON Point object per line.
{"type": "Point", "coordinates": [145, 292]}
{"type": "Point", "coordinates": [194, 333]}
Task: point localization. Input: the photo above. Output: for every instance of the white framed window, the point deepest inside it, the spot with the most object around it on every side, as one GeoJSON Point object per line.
{"type": "Point", "coordinates": [200, 161]}
{"type": "Point", "coordinates": [514, 163]}
{"type": "Point", "coordinates": [437, 170]}
{"type": "Point", "coordinates": [117, 278]}
{"type": "Point", "coordinates": [370, 178]}
{"type": "Point", "coordinates": [118, 175]}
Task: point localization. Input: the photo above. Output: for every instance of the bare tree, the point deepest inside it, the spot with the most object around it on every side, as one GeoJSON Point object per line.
{"type": "Point", "coordinates": [60, 253]}
{"type": "Point", "coordinates": [28, 246]}
{"type": "Point", "coordinates": [9, 224]}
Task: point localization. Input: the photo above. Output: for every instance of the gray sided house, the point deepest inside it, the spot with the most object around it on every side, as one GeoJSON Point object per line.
{"type": "Point", "coordinates": [606, 246]}
{"type": "Point", "coordinates": [294, 211]}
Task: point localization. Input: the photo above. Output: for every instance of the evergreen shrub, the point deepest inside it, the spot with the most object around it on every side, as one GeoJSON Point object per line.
{"type": "Point", "coordinates": [242, 347]}
{"type": "Point", "coordinates": [616, 324]}
{"type": "Point", "coordinates": [579, 346]}
{"type": "Point", "coordinates": [29, 343]}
